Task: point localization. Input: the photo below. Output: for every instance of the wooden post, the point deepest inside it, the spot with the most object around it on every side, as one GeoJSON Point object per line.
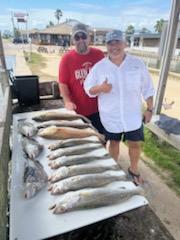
{"type": "Point", "coordinates": [3, 70]}
{"type": "Point", "coordinates": [4, 160]}
{"type": "Point", "coordinates": [167, 54]}
{"type": "Point", "coordinates": [5, 122]}
{"type": "Point", "coordinates": [3, 63]}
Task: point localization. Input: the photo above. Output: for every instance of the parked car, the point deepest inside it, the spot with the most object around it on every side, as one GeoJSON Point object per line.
{"type": "Point", "coordinates": [20, 40]}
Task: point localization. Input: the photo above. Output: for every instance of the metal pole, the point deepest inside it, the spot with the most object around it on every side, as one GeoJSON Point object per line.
{"type": "Point", "coordinates": [12, 19]}
{"type": "Point", "coordinates": [167, 54]}
{"type": "Point", "coordinates": [94, 36]}
{"type": "Point", "coordinates": [162, 40]}
{"type": "Point", "coordinates": [27, 32]}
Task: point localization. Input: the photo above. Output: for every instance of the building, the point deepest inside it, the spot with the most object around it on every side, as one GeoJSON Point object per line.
{"type": "Point", "coordinates": [143, 39]}
{"type": "Point", "coordinates": [61, 33]}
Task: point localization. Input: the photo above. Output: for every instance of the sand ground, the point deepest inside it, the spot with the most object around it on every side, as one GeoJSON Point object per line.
{"type": "Point", "coordinates": [162, 199]}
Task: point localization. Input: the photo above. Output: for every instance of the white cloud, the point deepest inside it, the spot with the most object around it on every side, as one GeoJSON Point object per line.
{"type": "Point", "coordinates": [87, 6]}
{"type": "Point", "coordinates": [137, 16]}
{"type": "Point", "coordinates": [5, 22]}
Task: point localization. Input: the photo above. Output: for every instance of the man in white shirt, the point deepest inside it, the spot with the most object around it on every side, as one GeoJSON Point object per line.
{"type": "Point", "coordinates": [120, 81]}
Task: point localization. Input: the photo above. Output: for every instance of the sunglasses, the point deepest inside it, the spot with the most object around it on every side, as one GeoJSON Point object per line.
{"type": "Point", "coordinates": [77, 37]}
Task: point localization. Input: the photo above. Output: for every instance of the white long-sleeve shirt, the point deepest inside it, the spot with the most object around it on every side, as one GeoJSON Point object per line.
{"type": "Point", "coordinates": [121, 109]}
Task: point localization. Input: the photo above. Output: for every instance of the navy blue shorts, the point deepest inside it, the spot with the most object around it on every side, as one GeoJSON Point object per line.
{"type": "Point", "coordinates": [136, 135]}
{"type": "Point", "coordinates": [96, 122]}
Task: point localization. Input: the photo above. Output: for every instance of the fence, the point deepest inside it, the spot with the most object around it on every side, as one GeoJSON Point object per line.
{"type": "Point", "coordinates": [152, 60]}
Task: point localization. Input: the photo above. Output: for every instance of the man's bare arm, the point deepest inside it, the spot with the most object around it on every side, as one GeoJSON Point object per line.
{"type": "Point", "coordinates": [149, 102]}
{"type": "Point", "coordinates": [149, 110]}
{"type": "Point", "coordinates": [65, 93]}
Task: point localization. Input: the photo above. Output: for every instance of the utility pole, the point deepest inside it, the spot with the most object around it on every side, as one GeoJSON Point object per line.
{"type": "Point", "coordinates": [167, 54]}
{"type": "Point", "coordinates": [12, 19]}
{"type": "Point", "coordinates": [27, 32]}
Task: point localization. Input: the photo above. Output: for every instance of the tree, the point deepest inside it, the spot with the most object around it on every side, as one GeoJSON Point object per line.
{"type": "Point", "coordinates": [159, 25]}
{"type": "Point", "coordinates": [17, 33]}
{"type": "Point", "coordinates": [144, 30]}
{"type": "Point", "coordinates": [130, 29]}
{"type": "Point", "coordinates": [50, 24]}
{"type": "Point", "coordinates": [7, 34]}
{"type": "Point", "coordinates": [58, 15]}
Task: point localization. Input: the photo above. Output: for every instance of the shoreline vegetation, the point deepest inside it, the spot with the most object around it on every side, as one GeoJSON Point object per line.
{"type": "Point", "coordinates": [162, 158]}
{"type": "Point", "coordinates": [36, 63]}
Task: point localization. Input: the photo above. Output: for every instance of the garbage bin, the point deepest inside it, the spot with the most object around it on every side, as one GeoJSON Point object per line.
{"type": "Point", "coordinates": [27, 89]}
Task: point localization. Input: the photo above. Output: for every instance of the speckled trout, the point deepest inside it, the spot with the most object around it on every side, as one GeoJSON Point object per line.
{"type": "Point", "coordinates": [86, 181]}
{"type": "Point", "coordinates": [64, 123]}
{"type": "Point", "coordinates": [80, 149]}
{"type": "Point", "coordinates": [92, 198]}
{"type": "Point", "coordinates": [76, 159]}
{"type": "Point", "coordinates": [65, 172]}
{"type": "Point", "coordinates": [55, 115]}
{"type": "Point", "coordinates": [72, 142]}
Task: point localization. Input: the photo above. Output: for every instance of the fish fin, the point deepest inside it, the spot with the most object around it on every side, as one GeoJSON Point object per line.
{"type": "Point", "coordinates": [38, 164]}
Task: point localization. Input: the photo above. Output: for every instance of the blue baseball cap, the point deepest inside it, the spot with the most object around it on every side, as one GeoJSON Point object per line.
{"type": "Point", "coordinates": [114, 35]}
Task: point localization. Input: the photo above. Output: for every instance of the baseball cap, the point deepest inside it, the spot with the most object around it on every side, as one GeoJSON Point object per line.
{"type": "Point", "coordinates": [114, 35]}
{"type": "Point", "coordinates": [80, 27]}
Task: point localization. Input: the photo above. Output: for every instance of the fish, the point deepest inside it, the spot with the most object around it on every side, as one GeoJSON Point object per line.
{"type": "Point", "coordinates": [27, 129]}
{"type": "Point", "coordinates": [31, 147]}
{"type": "Point", "coordinates": [80, 149]}
{"type": "Point", "coordinates": [64, 123]}
{"type": "Point", "coordinates": [54, 132]}
{"type": "Point", "coordinates": [86, 181]}
{"type": "Point", "coordinates": [55, 115]}
{"type": "Point", "coordinates": [76, 159]}
{"type": "Point", "coordinates": [65, 172]}
{"type": "Point", "coordinates": [93, 198]}
{"type": "Point", "coordinates": [34, 178]}
{"type": "Point", "coordinates": [72, 142]}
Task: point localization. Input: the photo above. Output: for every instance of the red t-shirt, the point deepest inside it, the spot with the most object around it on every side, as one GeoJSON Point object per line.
{"type": "Point", "coordinates": [73, 70]}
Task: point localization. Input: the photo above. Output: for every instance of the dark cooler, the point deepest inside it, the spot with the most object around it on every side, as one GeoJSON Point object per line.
{"type": "Point", "coordinates": [27, 89]}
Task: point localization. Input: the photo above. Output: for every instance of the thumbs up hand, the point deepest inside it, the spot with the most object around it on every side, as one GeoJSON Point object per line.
{"type": "Point", "coordinates": [105, 86]}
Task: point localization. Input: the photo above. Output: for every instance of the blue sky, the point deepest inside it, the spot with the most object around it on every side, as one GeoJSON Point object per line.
{"type": "Point", "coordinates": [97, 13]}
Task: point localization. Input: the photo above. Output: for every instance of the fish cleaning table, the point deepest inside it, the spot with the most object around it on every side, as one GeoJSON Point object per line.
{"type": "Point", "coordinates": [30, 219]}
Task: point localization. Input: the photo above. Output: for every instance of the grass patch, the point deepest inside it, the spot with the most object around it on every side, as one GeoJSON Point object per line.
{"type": "Point", "coordinates": [165, 156]}
{"type": "Point", "coordinates": [36, 62]}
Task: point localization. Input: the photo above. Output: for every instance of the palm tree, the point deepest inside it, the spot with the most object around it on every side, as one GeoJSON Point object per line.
{"type": "Point", "coordinates": [159, 25]}
{"type": "Point", "coordinates": [130, 29]}
{"type": "Point", "coordinates": [144, 30]}
{"type": "Point", "coordinates": [58, 15]}
{"type": "Point", "coordinates": [50, 24]}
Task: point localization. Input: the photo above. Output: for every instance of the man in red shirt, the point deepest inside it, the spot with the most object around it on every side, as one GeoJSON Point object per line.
{"type": "Point", "coordinates": [73, 69]}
